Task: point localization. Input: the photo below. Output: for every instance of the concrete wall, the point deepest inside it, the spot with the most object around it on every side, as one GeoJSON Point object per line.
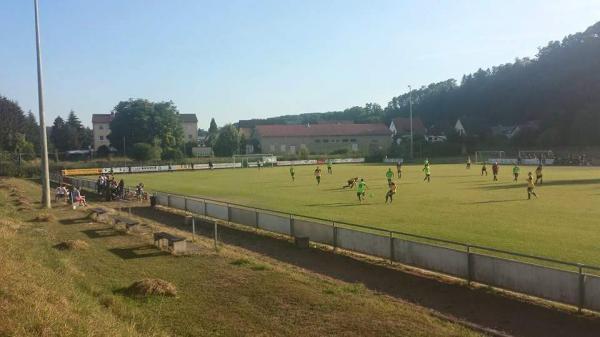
{"type": "Point", "coordinates": [217, 211]}
{"type": "Point", "coordinates": [196, 206]}
{"type": "Point", "coordinates": [362, 242]}
{"type": "Point", "coordinates": [443, 260]}
{"type": "Point", "coordinates": [243, 216]}
{"type": "Point", "coordinates": [274, 223]}
{"type": "Point", "coordinates": [552, 284]}
{"type": "Point", "coordinates": [316, 232]}
{"type": "Point", "coordinates": [592, 292]}
{"type": "Point", "coordinates": [177, 202]}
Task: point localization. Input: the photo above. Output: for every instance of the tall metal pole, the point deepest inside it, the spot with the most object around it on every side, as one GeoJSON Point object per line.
{"type": "Point", "coordinates": [411, 122]}
{"type": "Point", "coordinates": [46, 201]}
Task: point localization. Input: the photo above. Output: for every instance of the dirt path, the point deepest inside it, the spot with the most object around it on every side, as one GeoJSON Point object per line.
{"type": "Point", "coordinates": [480, 306]}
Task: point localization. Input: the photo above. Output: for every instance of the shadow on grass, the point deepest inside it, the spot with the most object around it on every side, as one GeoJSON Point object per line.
{"type": "Point", "coordinates": [99, 233]}
{"type": "Point", "coordinates": [490, 309]}
{"type": "Point", "coordinates": [74, 221]}
{"type": "Point", "coordinates": [493, 201]}
{"type": "Point", "coordinates": [546, 183]}
{"type": "Point", "coordinates": [140, 252]}
{"type": "Point", "coordinates": [335, 204]}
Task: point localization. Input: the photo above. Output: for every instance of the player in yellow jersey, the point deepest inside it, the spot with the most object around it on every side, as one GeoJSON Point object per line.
{"type": "Point", "coordinates": [530, 186]}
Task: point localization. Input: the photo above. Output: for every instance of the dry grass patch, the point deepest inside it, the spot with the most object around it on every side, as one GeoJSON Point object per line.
{"type": "Point", "coordinates": [9, 227]}
{"type": "Point", "coordinates": [72, 245]}
{"type": "Point", "coordinates": [44, 217]}
{"type": "Point", "coordinates": [151, 286]}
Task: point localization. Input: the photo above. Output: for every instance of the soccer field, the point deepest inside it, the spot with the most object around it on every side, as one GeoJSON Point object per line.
{"type": "Point", "coordinates": [458, 204]}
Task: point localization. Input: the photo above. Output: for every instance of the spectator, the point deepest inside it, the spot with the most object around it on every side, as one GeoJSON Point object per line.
{"type": "Point", "coordinates": [78, 197]}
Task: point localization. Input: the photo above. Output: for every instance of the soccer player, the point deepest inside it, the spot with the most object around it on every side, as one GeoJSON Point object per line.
{"type": "Point", "coordinates": [538, 175]}
{"type": "Point", "coordinates": [318, 175]}
{"type": "Point", "coordinates": [468, 162]}
{"type": "Point", "coordinates": [530, 186]}
{"type": "Point", "coordinates": [292, 172]}
{"type": "Point", "coordinates": [329, 167]}
{"type": "Point", "coordinates": [391, 192]}
{"type": "Point", "coordinates": [427, 170]}
{"type": "Point", "coordinates": [361, 189]}
{"type": "Point", "coordinates": [351, 183]}
{"type": "Point", "coordinates": [389, 175]}
{"type": "Point", "coordinates": [516, 170]}
{"type": "Point", "coordinates": [495, 169]}
{"type": "Point", "coordinates": [484, 170]}
{"type": "Point", "coordinates": [399, 169]}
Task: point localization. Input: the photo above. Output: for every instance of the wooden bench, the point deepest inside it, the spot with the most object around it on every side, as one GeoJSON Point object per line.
{"type": "Point", "coordinates": [125, 221]}
{"type": "Point", "coordinates": [176, 244]}
{"type": "Point", "coordinates": [98, 213]}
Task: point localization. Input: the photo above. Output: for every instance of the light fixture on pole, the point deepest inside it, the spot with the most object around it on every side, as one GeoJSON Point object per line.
{"type": "Point", "coordinates": [46, 201]}
{"type": "Point", "coordinates": [411, 121]}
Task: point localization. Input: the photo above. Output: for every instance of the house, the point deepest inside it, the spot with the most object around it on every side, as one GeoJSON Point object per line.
{"type": "Point", "coordinates": [247, 133]}
{"type": "Point", "coordinates": [459, 128]}
{"type": "Point", "coordinates": [189, 123]}
{"type": "Point", "coordinates": [101, 128]}
{"type": "Point", "coordinates": [401, 127]}
{"type": "Point", "coordinates": [323, 138]}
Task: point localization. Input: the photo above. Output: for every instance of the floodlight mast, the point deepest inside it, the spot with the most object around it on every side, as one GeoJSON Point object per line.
{"type": "Point", "coordinates": [46, 201]}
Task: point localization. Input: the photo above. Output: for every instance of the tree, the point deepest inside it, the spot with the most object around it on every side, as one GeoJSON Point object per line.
{"type": "Point", "coordinates": [12, 121]}
{"type": "Point", "coordinates": [243, 143]}
{"type": "Point", "coordinates": [145, 152]}
{"type": "Point", "coordinates": [75, 131]}
{"type": "Point", "coordinates": [172, 154]}
{"type": "Point", "coordinates": [23, 148]}
{"type": "Point", "coordinates": [213, 132]}
{"type": "Point", "coordinates": [32, 130]}
{"type": "Point", "coordinates": [59, 135]}
{"type": "Point", "coordinates": [227, 142]}
{"type": "Point", "coordinates": [142, 121]}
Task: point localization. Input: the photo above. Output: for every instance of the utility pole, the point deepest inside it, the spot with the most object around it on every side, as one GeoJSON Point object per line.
{"type": "Point", "coordinates": [411, 122]}
{"type": "Point", "coordinates": [46, 201]}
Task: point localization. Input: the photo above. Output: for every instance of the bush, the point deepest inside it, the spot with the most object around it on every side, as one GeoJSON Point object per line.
{"type": "Point", "coordinates": [103, 151]}
{"type": "Point", "coordinates": [145, 152]}
{"type": "Point", "coordinates": [339, 151]}
{"type": "Point", "coordinates": [172, 154]}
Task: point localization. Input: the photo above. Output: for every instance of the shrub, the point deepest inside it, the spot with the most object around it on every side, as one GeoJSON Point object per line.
{"type": "Point", "coordinates": [103, 151]}
{"type": "Point", "coordinates": [145, 152]}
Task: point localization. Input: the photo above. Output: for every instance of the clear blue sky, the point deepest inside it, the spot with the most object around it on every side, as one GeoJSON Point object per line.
{"type": "Point", "coordinates": [249, 59]}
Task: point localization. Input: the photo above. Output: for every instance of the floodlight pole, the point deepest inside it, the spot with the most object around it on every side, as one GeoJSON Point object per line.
{"type": "Point", "coordinates": [411, 122]}
{"type": "Point", "coordinates": [46, 201]}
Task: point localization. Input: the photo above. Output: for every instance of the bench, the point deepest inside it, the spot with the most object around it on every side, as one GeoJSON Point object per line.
{"type": "Point", "coordinates": [98, 213]}
{"type": "Point", "coordinates": [177, 244]}
{"type": "Point", "coordinates": [125, 221]}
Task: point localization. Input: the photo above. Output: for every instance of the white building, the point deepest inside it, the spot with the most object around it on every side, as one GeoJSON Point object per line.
{"type": "Point", "coordinates": [101, 128]}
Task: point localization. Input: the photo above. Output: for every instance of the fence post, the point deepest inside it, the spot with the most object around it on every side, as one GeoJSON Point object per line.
{"type": "Point", "coordinates": [228, 214]}
{"type": "Point", "coordinates": [185, 204]}
{"type": "Point", "coordinates": [581, 300]}
{"type": "Point", "coordinates": [256, 217]}
{"type": "Point", "coordinates": [335, 232]}
{"type": "Point", "coordinates": [216, 240]}
{"type": "Point", "coordinates": [469, 266]}
{"type": "Point", "coordinates": [292, 226]}
{"type": "Point", "coordinates": [193, 228]}
{"type": "Point", "coordinates": [392, 258]}
{"type": "Point", "coordinates": [168, 200]}
{"type": "Point", "coordinates": [204, 202]}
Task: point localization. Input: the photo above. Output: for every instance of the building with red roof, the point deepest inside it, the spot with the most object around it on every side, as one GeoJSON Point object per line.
{"type": "Point", "coordinates": [323, 138]}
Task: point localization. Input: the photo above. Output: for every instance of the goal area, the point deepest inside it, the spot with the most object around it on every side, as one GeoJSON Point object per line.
{"type": "Point", "coordinates": [252, 160]}
{"type": "Point", "coordinates": [489, 156]}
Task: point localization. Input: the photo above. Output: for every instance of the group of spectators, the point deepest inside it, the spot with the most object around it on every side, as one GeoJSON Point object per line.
{"type": "Point", "coordinates": [108, 186]}
{"type": "Point", "coordinates": [71, 195]}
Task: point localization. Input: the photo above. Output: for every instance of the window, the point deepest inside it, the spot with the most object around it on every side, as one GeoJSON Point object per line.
{"type": "Point", "coordinates": [272, 147]}
{"type": "Point", "coordinates": [317, 140]}
{"type": "Point", "coordinates": [353, 140]}
{"type": "Point", "coordinates": [344, 140]}
{"type": "Point", "coordinates": [292, 149]}
{"type": "Point", "coordinates": [374, 141]}
{"type": "Point", "coordinates": [101, 137]}
{"type": "Point", "coordinates": [325, 140]}
{"type": "Point", "coordinates": [354, 147]}
{"type": "Point", "coordinates": [101, 127]}
{"type": "Point", "coordinates": [282, 147]}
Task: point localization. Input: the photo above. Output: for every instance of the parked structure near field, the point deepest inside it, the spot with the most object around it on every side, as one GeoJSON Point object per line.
{"type": "Point", "coordinates": [323, 138]}
{"type": "Point", "coordinates": [101, 128]}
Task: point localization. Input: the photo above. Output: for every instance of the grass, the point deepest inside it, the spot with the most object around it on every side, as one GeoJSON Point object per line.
{"type": "Point", "coordinates": [458, 204]}
{"type": "Point", "coordinates": [50, 292]}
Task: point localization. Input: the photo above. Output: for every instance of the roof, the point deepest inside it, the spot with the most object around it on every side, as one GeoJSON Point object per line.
{"type": "Point", "coordinates": [403, 125]}
{"type": "Point", "coordinates": [322, 130]}
{"type": "Point", "coordinates": [102, 118]}
{"type": "Point", "coordinates": [188, 118]}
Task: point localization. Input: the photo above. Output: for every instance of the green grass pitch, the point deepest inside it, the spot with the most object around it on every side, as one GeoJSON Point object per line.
{"type": "Point", "coordinates": [458, 204]}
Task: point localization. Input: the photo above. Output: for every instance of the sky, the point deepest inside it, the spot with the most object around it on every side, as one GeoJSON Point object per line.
{"type": "Point", "coordinates": [236, 60]}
